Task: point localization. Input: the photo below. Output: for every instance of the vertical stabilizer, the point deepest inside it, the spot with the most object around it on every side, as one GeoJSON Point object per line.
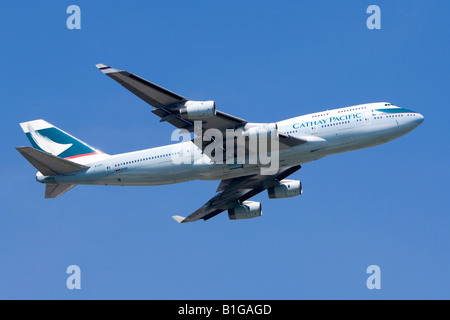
{"type": "Point", "coordinates": [46, 137]}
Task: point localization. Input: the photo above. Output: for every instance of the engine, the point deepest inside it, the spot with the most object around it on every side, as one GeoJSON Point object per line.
{"type": "Point", "coordinates": [248, 210]}
{"type": "Point", "coordinates": [286, 189]}
{"type": "Point", "coordinates": [261, 130]}
{"type": "Point", "coordinates": [198, 109]}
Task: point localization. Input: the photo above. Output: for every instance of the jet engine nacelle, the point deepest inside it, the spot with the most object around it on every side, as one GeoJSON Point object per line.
{"type": "Point", "coordinates": [248, 210]}
{"type": "Point", "coordinates": [286, 189]}
{"type": "Point", "coordinates": [261, 130]}
{"type": "Point", "coordinates": [198, 109]}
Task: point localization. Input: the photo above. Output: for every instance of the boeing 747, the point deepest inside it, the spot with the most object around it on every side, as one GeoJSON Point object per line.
{"type": "Point", "coordinates": [247, 157]}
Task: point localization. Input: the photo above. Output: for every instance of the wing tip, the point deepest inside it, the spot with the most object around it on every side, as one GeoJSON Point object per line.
{"type": "Point", "coordinates": [105, 69]}
{"type": "Point", "coordinates": [179, 219]}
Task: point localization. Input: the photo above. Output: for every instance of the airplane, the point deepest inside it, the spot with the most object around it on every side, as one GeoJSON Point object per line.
{"type": "Point", "coordinates": [64, 161]}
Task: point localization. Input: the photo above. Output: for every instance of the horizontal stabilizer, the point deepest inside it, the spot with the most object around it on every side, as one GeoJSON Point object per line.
{"type": "Point", "coordinates": [53, 190]}
{"type": "Point", "coordinates": [48, 164]}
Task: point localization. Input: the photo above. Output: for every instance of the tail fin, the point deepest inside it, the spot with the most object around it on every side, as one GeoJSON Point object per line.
{"type": "Point", "coordinates": [46, 137]}
{"type": "Point", "coordinates": [48, 164]}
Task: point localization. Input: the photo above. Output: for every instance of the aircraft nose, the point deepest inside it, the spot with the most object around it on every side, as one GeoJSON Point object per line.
{"type": "Point", "coordinates": [419, 119]}
{"type": "Point", "coordinates": [412, 121]}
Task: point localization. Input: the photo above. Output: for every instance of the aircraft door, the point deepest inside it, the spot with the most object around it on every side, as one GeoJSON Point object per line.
{"type": "Point", "coordinates": [109, 169]}
{"type": "Point", "coordinates": [367, 118]}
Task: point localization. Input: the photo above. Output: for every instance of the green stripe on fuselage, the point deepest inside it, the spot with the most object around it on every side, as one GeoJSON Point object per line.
{"type": "Point", "coordinates": [395, 110]}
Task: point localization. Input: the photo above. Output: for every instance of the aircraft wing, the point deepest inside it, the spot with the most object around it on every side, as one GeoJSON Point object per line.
{"type": "Point", "coordinates": [166, 103]}
{"type": "Point", "coordinates": [167, 106]}
{"type": "Point", "coordinates": [234, 191]}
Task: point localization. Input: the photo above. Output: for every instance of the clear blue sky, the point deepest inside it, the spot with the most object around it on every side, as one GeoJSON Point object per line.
{"type": "Point", "coordinates": [263, 61]}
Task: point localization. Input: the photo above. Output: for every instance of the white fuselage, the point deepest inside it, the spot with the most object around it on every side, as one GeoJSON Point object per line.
{"type": "Point", "coordinates": [329, 132]}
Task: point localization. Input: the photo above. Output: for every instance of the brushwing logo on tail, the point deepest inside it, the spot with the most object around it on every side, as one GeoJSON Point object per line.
{"type": "Point", "coordinates": [46, 144]}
